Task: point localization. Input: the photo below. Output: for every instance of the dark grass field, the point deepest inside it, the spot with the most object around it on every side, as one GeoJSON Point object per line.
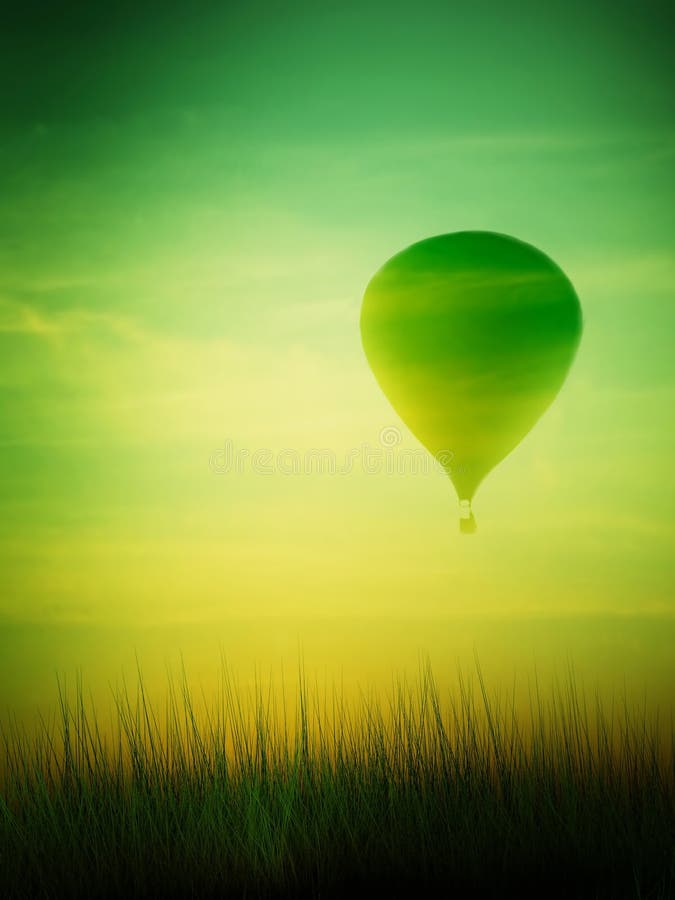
{"type": "Point", "coordinates": [420, 793]}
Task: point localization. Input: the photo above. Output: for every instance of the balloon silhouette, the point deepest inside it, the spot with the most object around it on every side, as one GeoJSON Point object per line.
{"type": "Point", "coordinates": [470, 335]}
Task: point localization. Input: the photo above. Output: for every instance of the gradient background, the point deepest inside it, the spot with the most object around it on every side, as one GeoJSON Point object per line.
{"type": "Point", "coordinates": [192, 201]}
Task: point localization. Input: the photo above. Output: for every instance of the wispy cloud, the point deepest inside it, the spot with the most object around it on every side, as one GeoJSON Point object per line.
{"type": "Point", "coordinates": [17, 317]}
{"type": "Point", "coordinates": [649, 273]}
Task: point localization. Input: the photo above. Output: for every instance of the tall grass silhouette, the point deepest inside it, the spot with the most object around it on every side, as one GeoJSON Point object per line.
{"type": "Point", "coordinates": [420, 792]}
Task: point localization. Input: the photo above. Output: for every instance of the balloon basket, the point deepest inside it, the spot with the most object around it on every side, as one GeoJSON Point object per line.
{"type": "Point", "coordinates": [467, 523]}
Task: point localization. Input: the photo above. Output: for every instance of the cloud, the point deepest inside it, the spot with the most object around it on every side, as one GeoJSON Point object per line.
{"type": "Point", "coordinates": [17, 317]}
{"type": "Point", "coordinates": [626, 276]}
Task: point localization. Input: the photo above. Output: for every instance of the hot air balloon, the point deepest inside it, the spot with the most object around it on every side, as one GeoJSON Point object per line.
{"type": "Point", "coordinates": [470, 335]}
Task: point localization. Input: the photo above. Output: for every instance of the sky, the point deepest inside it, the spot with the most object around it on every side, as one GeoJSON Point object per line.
{"type": "Point", "coordinates": [193, 200]}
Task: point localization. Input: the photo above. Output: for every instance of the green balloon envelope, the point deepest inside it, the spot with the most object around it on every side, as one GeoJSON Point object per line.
{"type": "Point", "coordinates": [470, 335]}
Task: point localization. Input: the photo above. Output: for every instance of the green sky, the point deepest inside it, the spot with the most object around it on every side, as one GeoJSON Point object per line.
{"type": "Point", "coordinates": [192, 201]}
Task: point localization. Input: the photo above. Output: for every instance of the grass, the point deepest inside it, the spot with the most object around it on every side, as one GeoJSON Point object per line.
{"type": "Point", "coordinates": [421, 793]}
